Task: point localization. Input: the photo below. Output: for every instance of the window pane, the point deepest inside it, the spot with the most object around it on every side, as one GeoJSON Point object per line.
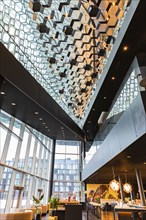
{"type": "Point", "coordinates": [23, 149]}
{"type": "Point", "coordinates": [3, 134]}
{"type": "Point", "coordinates": [4, 187]}
{"type": "Point", "coordinates": [12, 151]}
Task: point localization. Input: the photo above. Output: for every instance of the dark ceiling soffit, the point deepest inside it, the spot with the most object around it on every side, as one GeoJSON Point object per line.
{"type": "Point", "coordinates": [19, 77]}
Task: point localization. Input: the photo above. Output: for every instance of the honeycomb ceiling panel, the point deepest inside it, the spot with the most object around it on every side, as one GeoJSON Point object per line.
{"type": "Point", "coordinates": [67, 44]}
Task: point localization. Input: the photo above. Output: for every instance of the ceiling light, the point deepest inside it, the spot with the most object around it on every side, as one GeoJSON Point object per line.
{"type": "Point", "coordinates": [13, 103]}
{"type": "Point", "coordinates": [48, 130]}
{"type": "Point", "coordinates": [113, 78]}
{"type": "Point", "coordinates": [46, 127]}
{"type": "Point", "coordinates": [114, 184]}
{"type": "Point", "coordinates": [36, 113]}
{"type": "Point", "coordinates": [44, 123]}
{"type": "Point", "coordinates": [129, 157]}
{"type": "Point", "coordinates": [144, 163]}
{"type": "Point", "coordinates": [125, 48]}
{"type": "Point", "coordinates": [127, 187]}
{"type": "Point", "coordinates": [93, 109]}
{"type": "Point", "coordinates": [105, 97]}
{"type": "Point", "coordinates": [89, 122]}
{"type": "Point", "coordinates": [3, 93]}
{"type": "Point", "coordinates": [40, 119]}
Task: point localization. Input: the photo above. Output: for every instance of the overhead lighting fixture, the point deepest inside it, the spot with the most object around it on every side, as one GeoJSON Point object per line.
{"type": "Point", "coordinates": [125, 48]}
{"type": "Point", "coordinates": [114, 184]}
{"type": "Point", "coordinates": [113, 78]}
{"type": "Point", "coordinates": [129, 157]}
{"type": "Point", "coordinates": [127, 186]}
{"type": "Point", "coordinates": [3, 93]}
{"type": "Point", "coordinates": [13, 103]}
{"type": "Point", "coordinates": [144, 163]}
{"type": "Point", "coordinates": [36, 113]}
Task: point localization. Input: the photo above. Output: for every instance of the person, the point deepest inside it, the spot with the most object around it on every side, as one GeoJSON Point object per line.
{"type": "Point", "coordinates": [68, 197]}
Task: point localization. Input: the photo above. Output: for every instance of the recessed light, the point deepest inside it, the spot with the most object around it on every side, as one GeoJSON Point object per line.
{"type": "Point", "coordinates": [93, 109]}
{"type": "Point", "coordinates": [129, 156]}
{"type": "Point", "coordinates": [89, 122]}
{"type": "Point", "coordinates": [144, 163]}
{"type": "Point", "coordinates": [105, 97]}
{"type": "Point", "coordinates": [13, 103]}
{"type": "Point", "coordinates": [3, 93]}
{"type": "Point", "coordinates": [40, 119]}
{"type": "Point", "coordinates": [62, 128]}
{"type": "Point", "coordinates": [46, 127]}
{"type": "Point", "coordinates": [125, 48]}
{"type": "Point", "coordinates": [113, 78]}
{"type": "Point", "coordinates": [44, 123]}
{"type": "Point", "coordinates": [36, 113]}
{"type": "Point", "coordinates": [48, 130]}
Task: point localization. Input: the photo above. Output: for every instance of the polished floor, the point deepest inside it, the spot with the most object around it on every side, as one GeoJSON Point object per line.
{"type": "Point", "coordinates": [105, 216]}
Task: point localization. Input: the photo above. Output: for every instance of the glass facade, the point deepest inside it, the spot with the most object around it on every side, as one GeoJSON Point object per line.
{"type": "Point", "coordinates": [35, 35]}
{"type": "Point", "coordinates": [67, 169]}
{"type": "Point", "coordinates": [24, 161]}
{"type": "Point", "coordinates": [126, 96]}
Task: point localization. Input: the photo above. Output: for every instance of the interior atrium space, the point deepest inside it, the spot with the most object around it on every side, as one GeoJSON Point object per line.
{"type": "Point", "coordinates": [72, 110]}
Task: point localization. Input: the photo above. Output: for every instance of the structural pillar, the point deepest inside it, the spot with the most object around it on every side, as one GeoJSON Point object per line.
{"type": "Point", "coordinates": [140, 187]}
{"type": "Point", "coordinates": [52, 169]}
{"type": "Point", "coordinates": [121, 188]}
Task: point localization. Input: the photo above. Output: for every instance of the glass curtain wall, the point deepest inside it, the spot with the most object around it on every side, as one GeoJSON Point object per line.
{"type": "Point", "coordinates": [25, 156]}
{"type": "Point", "coordinates": [67, 169]}
{"type": "Point", "coordinates": [126, 95]}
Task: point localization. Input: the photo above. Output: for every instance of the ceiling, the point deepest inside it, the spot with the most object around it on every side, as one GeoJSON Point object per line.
{"type": "Point", "coordinates": [64, 45]}
{"type": "Point", "coordinates": [34, 102]}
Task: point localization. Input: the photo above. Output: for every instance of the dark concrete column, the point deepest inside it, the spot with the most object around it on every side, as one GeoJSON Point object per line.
{"type": "Point", "coordinates": [140, 187]}
{"type": "Point", "coordinates": [132, 194]}
{"type": "Point", "coordinates": [52, 169]}
{"type": "Point", "coordinates": [121, 188]}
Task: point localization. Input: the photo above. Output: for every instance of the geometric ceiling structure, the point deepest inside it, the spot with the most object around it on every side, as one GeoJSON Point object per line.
{"type": "Point", "coordinates": [63, 44]}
